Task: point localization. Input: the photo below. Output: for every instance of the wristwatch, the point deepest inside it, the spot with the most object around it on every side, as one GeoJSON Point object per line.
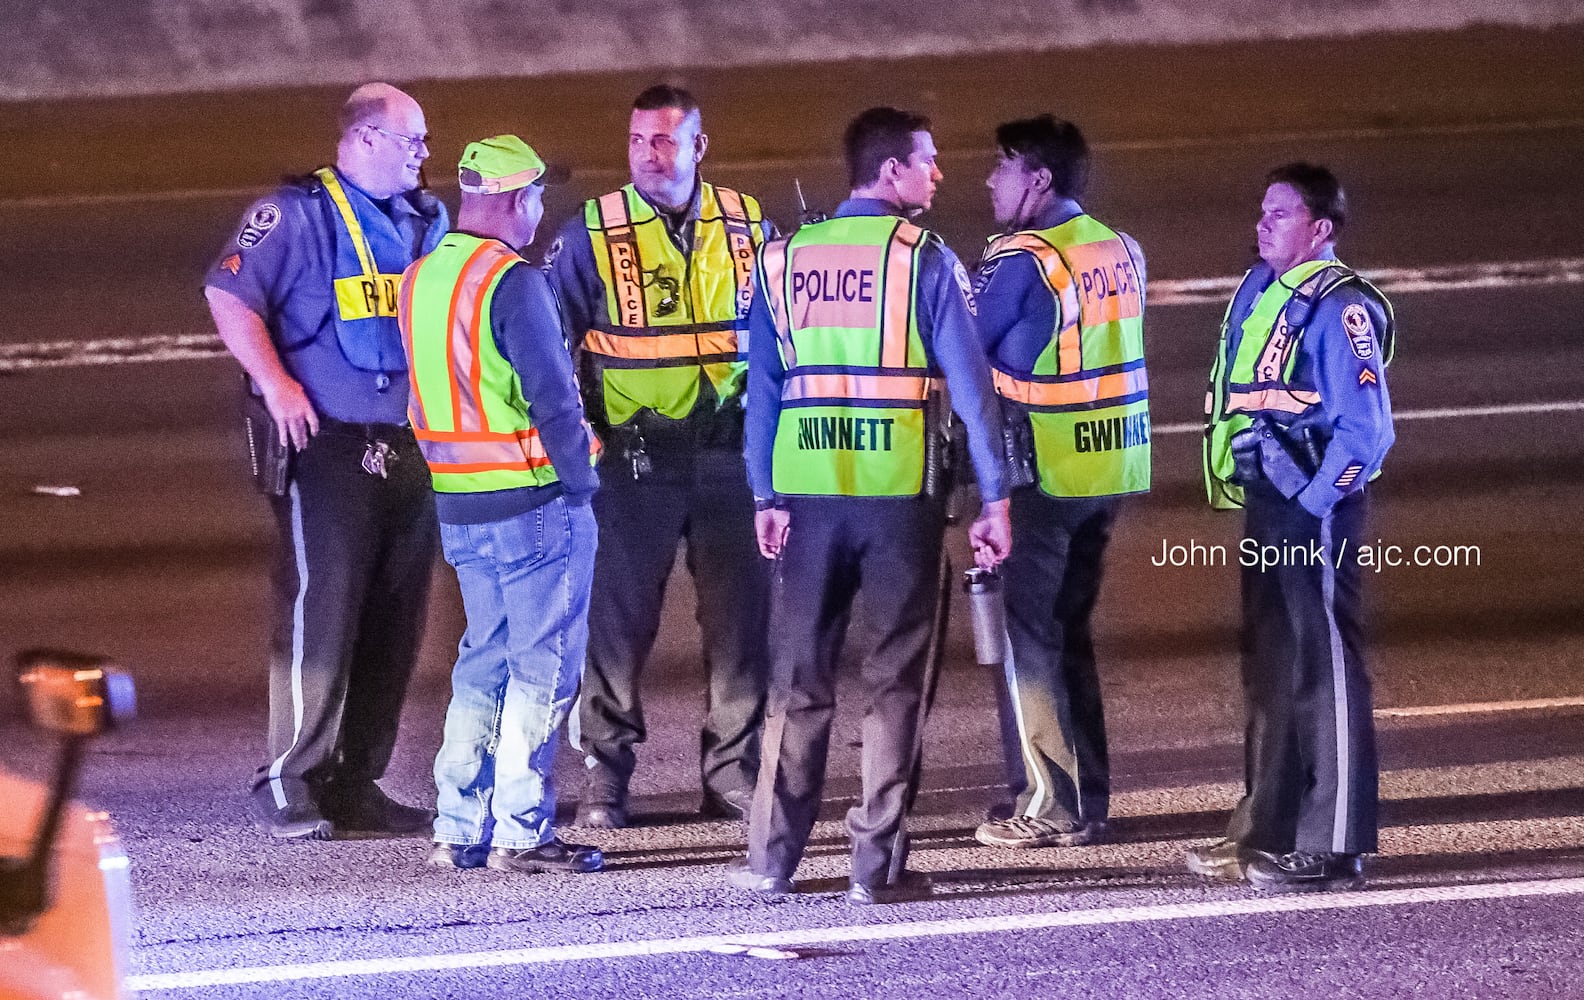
{"type": "Point", "coordinates": [767, 503]}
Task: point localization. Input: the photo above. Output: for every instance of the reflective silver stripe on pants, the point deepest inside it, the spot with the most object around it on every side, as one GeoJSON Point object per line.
{"type": "Point", "coordinates": [276, 787]}
{"type": "Point", "coordinates": [1339, 693]}
{"type": "Point", "coordinates": [1030, 762]}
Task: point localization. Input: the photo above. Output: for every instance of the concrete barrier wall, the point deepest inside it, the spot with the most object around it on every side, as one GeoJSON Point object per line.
{"type": "Point", "coordinates": [86, 48]}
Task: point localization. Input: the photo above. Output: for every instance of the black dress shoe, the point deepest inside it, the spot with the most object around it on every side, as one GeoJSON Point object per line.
{"type": "Point", "coordinates": [601, 816]}
{"type": "Point", "coordinates": [743, 877]}
{"type": "Point", "coordinates": [1302, 871]}
{"type": "Point", "coordinates": [1226, 860]}
{"type": "Point", "coordinates": [734, 804]}
{"type": "Point", "coordinates": [910, 887]}
{"type": "Point", "coordinates": [297, 821]}
{"type": "Point", "coordinates": [361, 810]}
{"type": "Point", "coordinates": [551, 856]}
{"type": "Point", "coordinates": [458, 855]}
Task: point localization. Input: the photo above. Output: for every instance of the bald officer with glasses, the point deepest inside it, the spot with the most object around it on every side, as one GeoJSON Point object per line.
{"type": "Point", "coordinates": [304, 296]}
{"type": "Point", "coordinates": [655, 280]}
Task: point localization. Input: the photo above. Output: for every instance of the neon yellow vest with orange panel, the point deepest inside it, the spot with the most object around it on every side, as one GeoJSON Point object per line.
{"type": "Point", "coordinates": [852, 421]}
{"type": "Point", "coordinates": [467, 408]}
{"type": "Point", "coordinates": [1087, 398]}
{"type": "Point", "coordinates": [670, 316]}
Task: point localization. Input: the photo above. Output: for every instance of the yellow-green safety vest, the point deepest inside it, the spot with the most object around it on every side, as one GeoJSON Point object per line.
{"type": "Point", "coordinates": [1087, 399]}
{"type": "Point", "coordinates": [467, 407]}
{"type": "Point", "coordinates": [670, 315]}
{"type": "Point", "coordinates": [842, 296]}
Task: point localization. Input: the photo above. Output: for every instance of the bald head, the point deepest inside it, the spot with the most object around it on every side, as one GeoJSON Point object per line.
{"type": "Point", "coordinates": [383, 135]}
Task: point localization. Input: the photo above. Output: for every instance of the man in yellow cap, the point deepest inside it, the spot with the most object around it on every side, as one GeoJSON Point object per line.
{"type": "Point", "coordinates": [496, 412]}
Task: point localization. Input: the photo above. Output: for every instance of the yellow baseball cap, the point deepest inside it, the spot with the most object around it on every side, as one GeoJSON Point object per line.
{"type": "Point", "coordinates": [504, 163]}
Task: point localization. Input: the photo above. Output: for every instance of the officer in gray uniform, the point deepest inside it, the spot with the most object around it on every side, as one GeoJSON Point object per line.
{"type": "Point", "coordinates": [304, 296]}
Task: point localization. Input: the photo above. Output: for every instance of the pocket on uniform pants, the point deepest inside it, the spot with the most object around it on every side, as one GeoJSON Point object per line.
{"type": "Point", "coordinates": [521, 539]}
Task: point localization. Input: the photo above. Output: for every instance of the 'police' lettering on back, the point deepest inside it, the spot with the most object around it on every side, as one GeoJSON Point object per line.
{"type": "Point", "coordinates": [835, 286]}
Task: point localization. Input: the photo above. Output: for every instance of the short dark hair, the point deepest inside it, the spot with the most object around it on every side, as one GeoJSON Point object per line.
{"type": "Point", "coordinates": [664, 95]}
{"type": "Point", "coordinates": [1052, 143]}
{"type": "Point", "coordinates": [878, 135]}
{"type": "Point", "coordinates": [1321, 192]}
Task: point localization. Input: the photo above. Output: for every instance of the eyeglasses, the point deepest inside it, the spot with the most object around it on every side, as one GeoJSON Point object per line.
{"type": "Point", "coordinates": [413, 142]}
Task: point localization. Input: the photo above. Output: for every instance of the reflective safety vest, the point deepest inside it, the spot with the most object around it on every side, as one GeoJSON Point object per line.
{"type": "Point", "coordinates": [670, 314]}
{"type": "Point", "coordinates": [467, 408]}
{"type": "Point", "coordinates": [1260, 381]}
{"type": "Point", "coordinates": [1087, 399]}
{"type": "Point", "coordinates": [365, 294]}
{"type": "Point", "coordinates": [842, 296]}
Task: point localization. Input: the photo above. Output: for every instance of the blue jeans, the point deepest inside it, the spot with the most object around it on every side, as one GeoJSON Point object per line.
{"type": "Point", "coordinates": [525, 587]}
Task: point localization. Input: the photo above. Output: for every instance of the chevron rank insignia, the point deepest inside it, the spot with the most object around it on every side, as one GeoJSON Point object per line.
{"type": "Point", "coordinates": [232, 263]}
{"type": "Point", "coordinates": [1367, 377]}
{"type": "Point", "coordinates": [1348, 475]}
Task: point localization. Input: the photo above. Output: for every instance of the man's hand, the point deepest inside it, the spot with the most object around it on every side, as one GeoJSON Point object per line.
{"type": "Point", "coordinates": [294, 416]}
{"type": "Point", "coordinates": [771, 528]}
{"type": "Point", "coordinates": [991, 534]}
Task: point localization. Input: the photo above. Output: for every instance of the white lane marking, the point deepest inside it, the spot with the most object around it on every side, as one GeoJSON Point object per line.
{"type": "Point", "coordinates": [846, 934]}
{"type": "Point", "coordinates": [1162, 145]}
{"type": "Point", "coordinates": [1188, 291]}
{"type": "Point", "coordinates": [1479, 707]}
{"type": "Point", "coordinates": [1437, 413]}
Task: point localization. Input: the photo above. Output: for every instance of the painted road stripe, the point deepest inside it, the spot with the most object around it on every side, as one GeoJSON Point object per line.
{"type": "Point", "coordinates": [914, 930]}
{"type": "Point", "coordinates": [1436, 413]}
{"type": "Point", "coordinates": [1166, 144]}
{"type": "Point", "coordinates": [1190, 291]}
{"type": "Point", "coordinates": [1478, 708]}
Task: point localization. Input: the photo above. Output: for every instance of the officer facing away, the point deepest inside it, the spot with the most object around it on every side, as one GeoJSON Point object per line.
{"type": "Point", "coordinates": [305, 298]}
{"type": "Point", "coordinates": [1061, 311]}
{"type": "Point", "coordinates": [855, 322]}
{"type": "Point", "coordinates": [655, 279]}
{"type": "Point", "coordinates": [1298, 420]}
{"type": "Point", "coordinates": [496, 411]}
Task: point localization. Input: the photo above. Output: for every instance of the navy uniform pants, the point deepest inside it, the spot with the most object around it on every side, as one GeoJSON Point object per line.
{"type": "Point", "coordinates": [703, 498]}
{"type": "Point", "coordinates": [889, 551]}
{"type": "Point", "coordinates": [353, 560]}
{"type": "Point", "coordinates": [1309, 747]}
{"type": "Point", "coordinates": [1052, 583]}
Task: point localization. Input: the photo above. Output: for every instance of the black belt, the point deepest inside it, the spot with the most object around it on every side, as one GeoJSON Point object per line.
{"type": "Point", "coordinates": [365, 432]}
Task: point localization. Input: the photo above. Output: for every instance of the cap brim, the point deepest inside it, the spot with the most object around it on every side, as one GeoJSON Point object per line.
{"type": "Point", "coordinates": [555, 173]}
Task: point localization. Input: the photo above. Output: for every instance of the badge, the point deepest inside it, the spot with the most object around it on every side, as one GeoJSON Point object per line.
{"type": "Point", "coordinates": [1359, 331]}
{"type": "Point", "coordinates": [233, 264]}
{"type": "Point", "coordinates": [961, 274]}
{"type": "Point", "coordinates": [264, 218]}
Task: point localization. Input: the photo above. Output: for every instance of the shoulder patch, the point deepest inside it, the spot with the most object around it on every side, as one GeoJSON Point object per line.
{"type": "Point", "coordinates": [1360, 331]}
{"type": "Point", "coordinates": [961, 274]}
{"type": "Point", "coordinates": [264, 218]}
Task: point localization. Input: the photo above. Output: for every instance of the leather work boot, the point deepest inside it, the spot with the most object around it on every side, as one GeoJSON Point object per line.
{"type": "Point", "coordinates": [1226, 860]}
{"type": "Point", "coordinates": [1037, 831]}
{"type": "Point", "coordinates": [735, 804]}
{"type": "Point", "coordinates": [361, 810]}
{"type": "Point", "coordinates": [603, 805]}
{"type": "Point", "coordinates": [298, 821]}
{"type": "Point", "coordinates": [458, 856]}
{"type": "Point", "coordinates": [912, 886]}
{"type": "Point", "coordinates": [1302, 871]}
{"type": "Point", "coordinates": [743, 877]}
{"type": "Point", "coordinates": [601, 816]}
{"type": "Point", "coordinates": [551, 856]}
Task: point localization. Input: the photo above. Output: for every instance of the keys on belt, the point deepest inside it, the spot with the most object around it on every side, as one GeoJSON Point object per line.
{"type": "Point", "coordinates": [377, 458]}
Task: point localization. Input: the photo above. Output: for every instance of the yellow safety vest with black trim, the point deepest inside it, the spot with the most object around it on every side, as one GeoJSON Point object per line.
{"type": "Point", "coordinates": [1261, 375]}
{"type": "Point", "coordinates": [841, 294]}
{"type": "Point", "coordinates": [670, 315]}
{"type": "Point", "coordinates": [1087, 399]}
{"type": "Point", "coordinates": [467, 408]}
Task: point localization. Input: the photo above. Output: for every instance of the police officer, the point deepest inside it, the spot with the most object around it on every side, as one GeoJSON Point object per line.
{"type": "Point", "coordinates": [305, 298]}
{"type": "Point", "coordinates": [655, 279]}
{"type": "Point", "coordinates": [497, 414]}
{"type": "Point", "coordinates": [855, 322]}
{"type": "Point", "coordinates": [1298, 421]}
{"type": "Point", "coordinates": [1061, 311]}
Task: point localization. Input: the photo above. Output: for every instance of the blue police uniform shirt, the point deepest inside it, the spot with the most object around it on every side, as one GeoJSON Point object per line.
{"type": "Point", "coordinates": [526, 324]}
{"type": "Point", "coordinates": [1338, 356]}
{"type": "Point", "coordinates": [945, 306]}
{"type": "Point", "coordinates": [281, 265]}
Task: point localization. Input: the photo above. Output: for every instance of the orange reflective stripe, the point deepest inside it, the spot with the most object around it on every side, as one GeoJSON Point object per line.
{"type": "Point", "coordinates": [415, 410]}
{"type": "Point", "coordinates": [1282, 400]}
{"type": "Point", "coordinates": [503, 259]}
{"type": "Point", "coordinates": [1069, 344]}
{"type": "Point", "coordinates": [898, 303]}
{"type": "Point", "coordinates": [739, 239]}
{"type": "Point", "coordinates": [773, 261]}
{"type": "Point", "coordinates": [621, 245]}
{"type": "Point", "coordinates": [910, 388]}
{"type": "Point", "coordinates": [683, 348]}
{"type": "Point", "coordinates": [478, 452]}
{"type": "Point", "coordinates": [1076, 392]}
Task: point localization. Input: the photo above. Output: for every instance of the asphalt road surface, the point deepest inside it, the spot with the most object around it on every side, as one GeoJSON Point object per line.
{"type": "Point", "coordinates": [1460, 152]}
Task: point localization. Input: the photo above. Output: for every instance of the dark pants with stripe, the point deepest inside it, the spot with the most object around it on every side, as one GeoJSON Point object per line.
{"type": "Point", "coordinates": [351, 584]}
{"type": "Point", "coordinates": [1309, 747]}
{"type": "Point", "coordinates": [889, 550]}
{"type": "Point", "coordinates": [1052, 583]}
{"type": "Point", "coordinates": [702, 497]}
